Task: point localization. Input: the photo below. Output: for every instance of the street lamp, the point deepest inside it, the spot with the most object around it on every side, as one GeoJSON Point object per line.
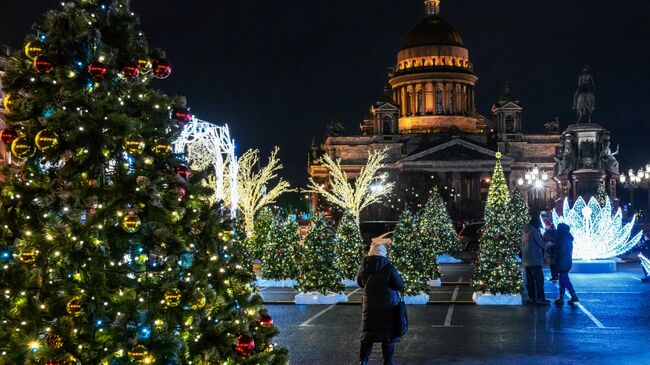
{"type": "Point", "coordinates": [634, 180]}
{"type": "Point", "coordinates": [535, 180]}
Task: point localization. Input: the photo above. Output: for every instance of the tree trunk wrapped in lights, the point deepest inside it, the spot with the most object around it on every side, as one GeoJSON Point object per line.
{"type": "Point", "coordinates": [497, 270]}
{"type": "Point", "coordinates": [369, 186]}
{"type": "Point", "coordinates": [318, 271]}
{"type": "Point", "coordinates": [253, 185]}
{"type": "Point", "coordinates": [279, 252]}
{"type": "Point", "coordinates": [349, 247]}
{"type": "Point", "coordinates": [410, 257]}
{"type": "Point", "coordinates": [110, 252]}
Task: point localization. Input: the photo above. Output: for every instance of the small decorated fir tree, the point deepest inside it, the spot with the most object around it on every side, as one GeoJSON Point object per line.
{"type": "Point", "coordinates": [520, 214]}
{"type": "Point", "coordinates": [349, 247]}
{"type": "Point", "coordinates": [437, 228]}
{"type": "Point", "coordinates": [497, 270]}
{"type": "Point", "coordinates": [264, 223]}
{"type": "Point", "coordinates": [318, 271]}
{"type": "Point", "coordinates": [409, 256]}
{"type": "Point", "coordinates": [279, 253]}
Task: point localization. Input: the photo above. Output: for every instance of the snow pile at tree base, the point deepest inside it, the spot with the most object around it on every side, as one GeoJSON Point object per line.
{"type": "Point", "coordinates": [447, 259]}
{"type": "Point", "coordinates": [498, 299]}
{"type": "Point", "coordinates": [436, 282]}
{"type": "Point", "coordinates": [318, 298]}
{"type": "Point", "coordinates": [350, 283]}
{"type": "Point", "coordinates": [263, 283]}
{"type": "Point", "coordinates": [420, 299]}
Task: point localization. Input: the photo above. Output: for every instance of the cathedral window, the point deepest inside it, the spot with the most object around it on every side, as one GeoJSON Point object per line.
{"type": "Point", "coordinates": [510, 124]}
{"type": "Point", "coordinates": [420, 102]}
{"type": "Point", "coordinates": [439, 109]}
{"type": "Point", "coordinates": [450, 102]}
{"type": "Point", "coordinates": [409, 103]}
{"type": "Point", "coordinates": [387, 122]}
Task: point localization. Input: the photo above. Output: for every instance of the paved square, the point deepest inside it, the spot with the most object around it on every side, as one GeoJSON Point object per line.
{"type": "Point", "coordinates": [610, 326]}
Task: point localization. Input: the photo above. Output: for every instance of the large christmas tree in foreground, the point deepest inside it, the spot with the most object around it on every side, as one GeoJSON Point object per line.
{"type": "Point", "coordinates": [110, 255]}
{"type": "Point", "coordinates": [497, 270]}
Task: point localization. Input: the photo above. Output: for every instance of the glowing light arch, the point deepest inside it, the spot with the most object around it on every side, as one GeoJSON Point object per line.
{"type": "Point", "coordinates": [206, 144]}
{"type": "Point", "coordinates": [598, 233]}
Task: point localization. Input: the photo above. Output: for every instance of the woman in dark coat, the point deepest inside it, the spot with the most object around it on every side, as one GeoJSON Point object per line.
{"type": "Point", "coordinates": [564, 262]}
{"type": "Point", "coordinates": [380, 281]}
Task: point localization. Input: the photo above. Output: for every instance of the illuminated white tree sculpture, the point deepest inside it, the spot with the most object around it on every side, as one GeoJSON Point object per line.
{"type": "Point", "coordinates": [645, 263]}
{"type": "Point", "coordinates": [598, 233]}
{"type": "Point", "coordinates": [206, 144]}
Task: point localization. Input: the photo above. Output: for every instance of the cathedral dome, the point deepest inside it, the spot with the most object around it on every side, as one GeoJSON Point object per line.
{"type": "Point", "coordinates": [433, 31]}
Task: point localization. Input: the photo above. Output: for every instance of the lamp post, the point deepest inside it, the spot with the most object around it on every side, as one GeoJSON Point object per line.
{"type": "Point", "coordinates": [634, 180]}
{"type": "Point", "coordinates": [535, 180]}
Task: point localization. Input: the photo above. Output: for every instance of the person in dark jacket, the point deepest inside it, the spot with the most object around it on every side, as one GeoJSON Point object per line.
{"type": "Point", "coordinates": [564, 261]}
{"type": "Point", "coordinates": [380, 282]}
{"type": "Point", "coordinates": [532, 254]}
{"type": "Point", "coordinates": [551, 236]}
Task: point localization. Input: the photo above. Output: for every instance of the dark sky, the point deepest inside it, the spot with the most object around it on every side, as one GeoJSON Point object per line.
{"type": "Point", "coordinates": [277, 71]}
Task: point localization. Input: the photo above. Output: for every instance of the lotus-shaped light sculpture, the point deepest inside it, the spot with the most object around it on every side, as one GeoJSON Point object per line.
{"type": "Point", "coordinates": [645, 263]}
{"type": "Point", "coordinates": [598, 234]}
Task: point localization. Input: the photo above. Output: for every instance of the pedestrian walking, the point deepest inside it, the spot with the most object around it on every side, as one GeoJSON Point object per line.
{"type": "Point", "coordinates": [564, 260]}
{"type": "Point", "coordinates": [532, 248]}
{"type": "Point", "coordinates": [551, 236]}
{"type": "Point", "coordinates": [380, 282]}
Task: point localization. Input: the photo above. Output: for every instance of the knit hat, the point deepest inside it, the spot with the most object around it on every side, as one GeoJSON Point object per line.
{"type": "Point", "coordinates": [377, 250]}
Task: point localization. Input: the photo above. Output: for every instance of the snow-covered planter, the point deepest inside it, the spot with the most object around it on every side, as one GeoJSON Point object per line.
{"type": "Point", "coordinates": [419, 299]}
{"type": "Point", "coordinates": [350, 283]}
{"type": "Point", "coordinates": [448, 259]}
{"type": "Point", "coordinates": [319, 298]}
{"type": "Point", "coordinates": [435, 282]}
{"type": "Point", "coordinates": [264, 283]}
{"type": "Point", "coordinates": [496, 299]}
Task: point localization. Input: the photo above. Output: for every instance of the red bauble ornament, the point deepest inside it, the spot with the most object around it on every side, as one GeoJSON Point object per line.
{"type": "Point", "coordinates": [245, 345]}
{"type": "Point", "coordinates": [181, 192]}
{"type": "Point", "coordinates": [161, 68]}
{"type": "Point", "coordinates": [52, 362]}
{"type": "Point", "coordinates": [8, 135]}
{"type": "Point", "coordinates": [182, 116]}
{"type": "Point", "coordinates": [43, 65]}
{"type": "Point", "coordinates": [265, 320]}
{"type": "Point", "coordinates": [131, 70]}
{"type": "Point", "coordinates": [97, 70]}
{"type": "Point", "coordinates": [182, 171]}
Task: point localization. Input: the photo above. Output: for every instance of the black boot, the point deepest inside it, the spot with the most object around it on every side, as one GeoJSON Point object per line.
{"type": "Point", "coordinates": [574, 299]}
{"type": "Point", "coordinates": [559, 300]}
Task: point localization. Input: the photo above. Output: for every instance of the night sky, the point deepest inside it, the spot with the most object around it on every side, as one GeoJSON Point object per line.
{"type": "Point", "coordinates": [278, 71]}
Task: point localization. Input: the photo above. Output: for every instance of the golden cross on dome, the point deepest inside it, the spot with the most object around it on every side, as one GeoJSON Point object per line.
{"type": "Point", "coordinates": [432, 7]}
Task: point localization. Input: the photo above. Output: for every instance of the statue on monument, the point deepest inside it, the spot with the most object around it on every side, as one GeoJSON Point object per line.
{"type": "Point", "coordinates": [566, 155]}
{"type": "Point", "coordinates": [584, 100]}
{"type": "Point", "coordinates": [607, 157]}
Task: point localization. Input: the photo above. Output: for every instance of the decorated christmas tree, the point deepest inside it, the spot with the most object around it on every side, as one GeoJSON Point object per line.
{"type": "Point", "coordinates": [264, 223]}
{"type": "Point", "coordinates": [520, 214]}
{"type": "Point", "coordinates": [279, 253]}
{"type": "Point", "coordinates": [113, 254]}
{"type": "Point", "coordinates": [318, 271]}
{"type": "Point", "coordinates": [437, 228]}
{"type": "Point", "coordinates": [409, 256]}
{"type": "Point", "coordinates": [349, 247]}
{"type": "Point", "coordinates": [497, 270]}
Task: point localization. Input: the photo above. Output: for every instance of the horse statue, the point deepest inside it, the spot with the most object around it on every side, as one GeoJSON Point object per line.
{"type": "Point", "coordinates": [584, 101]}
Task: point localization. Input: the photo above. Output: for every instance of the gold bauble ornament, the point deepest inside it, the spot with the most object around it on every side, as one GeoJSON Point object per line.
{"type": "Point", "coordinates": [138, 353]}
{"type": "Point", "coordinates": [46, 140]}
{"type": "Point", "coordinates": [22, 147]}
{"type": "Point", "coordinates": [74, 307]}
{"type": "Point", "coordinates": [28, 255]}
{"type": "Point", "coordinates": [173, 297]}
{"type": "Point", "coordinates": [34, 48]}
{"type": "Point", "coordinates": [144, 64]}
{"type": "Point", "coordinates": [162, 147]}
{"type": "Point", "coordinates": [53, 341]}
{"type": "Point", "coordinates": [8, 102]}
{"type": "Point", "coordinates": [131, 222]}
{"type": "Point", "coordinates": [134, 145]}
{"type": "Point", "coordinates": [199, 301]}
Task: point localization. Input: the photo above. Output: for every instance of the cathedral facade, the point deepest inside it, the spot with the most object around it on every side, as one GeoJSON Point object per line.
{"type": "Point", "coordinates": [428, 122]}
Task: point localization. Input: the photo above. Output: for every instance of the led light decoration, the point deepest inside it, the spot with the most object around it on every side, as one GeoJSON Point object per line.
{"type": "Point", "coordinates": [598, 234]}
{"type": "Point", "coordinates": [645, 262]}
{"type": "Point", "coordinates": [206, 144]}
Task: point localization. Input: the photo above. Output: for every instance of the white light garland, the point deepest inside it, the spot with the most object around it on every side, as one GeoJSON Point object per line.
{"type": "Point", "coordinates": [206, 144]}
{"type": "Point", "coordinates": [598, 233]}
{"type": "Point", "coordinates": [645, 262]}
